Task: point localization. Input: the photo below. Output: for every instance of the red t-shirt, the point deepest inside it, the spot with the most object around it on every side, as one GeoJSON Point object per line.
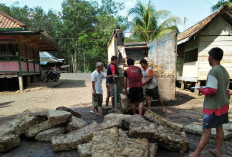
{"type": "Point", "coordinates": [134, 74]}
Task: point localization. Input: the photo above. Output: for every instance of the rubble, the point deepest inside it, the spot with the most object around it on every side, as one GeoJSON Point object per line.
{"type": "Point", "coordinates": [166, 137]}
{"type": "Point", "coordinates": [41, 117]}
{"type": "Point", "coordinates": [31, 132]}
{"type": "Point", "coordinates": [8, 142]}
{"type": "Point", "coordinates": [104, 142]}
{"type": "Point", "coordinates": [75, 124]}
{"type": "Point", "coordinates": [48, 134]}
{"type": "Point", "coordinates": [110, 124]}
{"type": "Point", "coordinates": [151, 116]}
{"type": "Point", "coordinates": [153, 149]}
{"type": "Point", "coordinates": [18, 125]}
{"type": "Point", "coordinates": [197, 130]}
{"type": "Point", "coordinates": [84, 150]}
{"type": "Point", "coordinates": [135, 120]}
{"type": "Point", "coordinates": [132, 147]}
{"type": "Point", "coordinates": [123, 133]}
{"type": "Point", "coordinates": [72, 139]}
{"type": "Point", "coordinates": [72, 111]}
{"type": "Point", "coordinates": [115, 117]}
{"type": "Point", "coordinates": [58, 117]}
{"type": "Point", "coordinates": [124, 103]}
{"type": "Point", "coordinates": [227, 126]}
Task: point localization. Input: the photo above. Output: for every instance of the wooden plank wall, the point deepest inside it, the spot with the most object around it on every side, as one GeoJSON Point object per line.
{"type": "Point", "coordinates": [209, 39]}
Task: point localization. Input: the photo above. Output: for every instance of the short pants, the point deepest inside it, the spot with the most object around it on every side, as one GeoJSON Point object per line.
{"type": "Point", "coordinates": [110, 89]}
{"type": "Point", "coordinates": [136, 95]}
{"type": "Point", "coordinates": [154, 93]}
{"type": "Point", "coordinates": [121, 49]}
{"type": "Point", "coordinates": [213, 121]}
{"type": "Point", "coordinates": [97, 100]}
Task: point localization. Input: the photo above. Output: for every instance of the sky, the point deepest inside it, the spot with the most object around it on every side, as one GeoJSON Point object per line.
{"type": "Point", "coordinates": [193, 10]}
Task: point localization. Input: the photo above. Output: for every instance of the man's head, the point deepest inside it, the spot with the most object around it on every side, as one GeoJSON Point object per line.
{"type": "Point", "coordinates": [99, 66]}
{"type": "Point", "coordinates": [130, 62]}
{"type": "Point", "coordinates": [215, 55]}
{"type": "Point", "coordinates": [114, 60]}
{"type": "Point", "coordinates": [118, 27]}
{"type": "Point", "coordinates": [143, 63]}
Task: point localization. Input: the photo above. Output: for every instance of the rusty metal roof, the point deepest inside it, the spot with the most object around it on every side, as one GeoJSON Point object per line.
{"type": "Point", "coordinates": [8, 22]}
{"type": "Point", "coordinates": [202, 24]}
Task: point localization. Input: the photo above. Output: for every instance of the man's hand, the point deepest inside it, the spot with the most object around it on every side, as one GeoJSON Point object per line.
{"type": "Point", "coordinates": [94, 93]}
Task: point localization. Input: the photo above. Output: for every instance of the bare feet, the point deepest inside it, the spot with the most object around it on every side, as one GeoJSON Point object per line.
{"type": "Point", "coordinates": [215, 152]}
{"type": "Point", "coordinates": [164, 110]}
{"type": "Point", "coordinates": [194, 154]}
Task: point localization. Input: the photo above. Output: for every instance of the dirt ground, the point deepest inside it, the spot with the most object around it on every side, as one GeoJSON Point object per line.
{"type": "Point", "coordinates": [74, 91]}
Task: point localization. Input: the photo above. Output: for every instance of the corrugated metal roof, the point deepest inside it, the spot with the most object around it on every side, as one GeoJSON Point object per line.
{"type": "Point", "coordinates": [8, 22]}
{"type": "Point", "coordinates": [199, 26]}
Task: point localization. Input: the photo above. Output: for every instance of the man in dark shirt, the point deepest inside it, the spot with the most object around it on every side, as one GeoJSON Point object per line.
{"type": "Point", "coordinates": [120, 40]}
{"type": "Point", "coordinates": [111, 70]}
{"type": "Point", "coordinates": [134, 74]}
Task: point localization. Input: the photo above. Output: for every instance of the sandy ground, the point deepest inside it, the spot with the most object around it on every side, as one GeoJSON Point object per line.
{"type": "Point", "coordinates": [74, 91]}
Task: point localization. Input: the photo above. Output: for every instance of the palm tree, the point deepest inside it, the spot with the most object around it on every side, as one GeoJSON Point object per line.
{"type": "Point", "coordinates": [146, 22]}
{"type": "Point", "coordinates": [221, 3]}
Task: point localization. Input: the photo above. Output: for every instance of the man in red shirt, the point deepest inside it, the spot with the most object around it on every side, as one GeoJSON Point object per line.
{"type": "Point", "coordinates": [134, 74]}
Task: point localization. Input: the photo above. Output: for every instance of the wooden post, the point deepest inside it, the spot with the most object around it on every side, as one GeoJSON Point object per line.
{"type": "Point", "coordinates": [182, 85]}
{"type": "Point", "coordinates": [196, 91]}
{"type": "Point", "coordinates": [20, 77]}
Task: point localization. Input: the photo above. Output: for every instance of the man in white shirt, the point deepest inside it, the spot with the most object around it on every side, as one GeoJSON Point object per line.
{"type": "Point", "coordinates": [151, 86]}
{"type": "Point", "coordinates": [97, 76]}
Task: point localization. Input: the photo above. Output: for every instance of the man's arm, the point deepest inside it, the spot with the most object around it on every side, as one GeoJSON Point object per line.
{"type": "Point", "coordinates": [150, 77]}
{"type": "Point", "coordinates": [125, 85]}
{"type": "Point", "coordinates": [125, 82]}
{"type": "Point", "coordinates": [93, 86]}
{"type": "Point", "coordinates": [211, 86]}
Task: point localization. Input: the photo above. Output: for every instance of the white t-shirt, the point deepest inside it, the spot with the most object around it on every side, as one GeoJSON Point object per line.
{"type": "Point", "coordinates": [153, 83]}
{"type": "Point", "coordinates": [97, 78]}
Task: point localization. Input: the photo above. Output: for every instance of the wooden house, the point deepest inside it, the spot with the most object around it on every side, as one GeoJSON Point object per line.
{"type": "Point", "coordinates": [19, 50]}
{"type": "Point", "coordinates": [194, 44]}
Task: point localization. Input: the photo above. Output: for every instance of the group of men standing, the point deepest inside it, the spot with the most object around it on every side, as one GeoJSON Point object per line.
{"type": "Point", "coordinates": [135, 75]}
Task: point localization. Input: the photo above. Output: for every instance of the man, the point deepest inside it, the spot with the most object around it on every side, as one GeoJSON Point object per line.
{"type": "Point", "coordinates": [97, 76]}
{"type": "Point", "coordinates": [216, 103]}
{"type": "Point", "coordinates": [120, 40]}
{"type": "Point", "coordinates": [133, 73]}
{"type": "Point", "coordinates": [111, 70]}
{"type": "Point", "coordinates": [151, 86]}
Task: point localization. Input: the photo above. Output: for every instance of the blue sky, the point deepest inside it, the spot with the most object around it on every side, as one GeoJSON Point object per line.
{"type": "Point", "coordinates": [193, 10]}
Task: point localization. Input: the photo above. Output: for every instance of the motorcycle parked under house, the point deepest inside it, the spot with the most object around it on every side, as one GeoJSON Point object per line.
{"type": "Point", "coordinates": [51, 75]}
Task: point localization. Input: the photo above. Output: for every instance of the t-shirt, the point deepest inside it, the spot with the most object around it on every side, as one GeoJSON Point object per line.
{"type": "Point", "coordinates": [149, 73]}
{"type": "Point", "coordinates": [111, 69]}
{"type": "Point", "coordinates": [97, 78]}
{"type": "Point", "coordinates": [218, 79]}
{"type": "Point", "coordinates": [120, 37]}
{"type": "Point", "coordinates": [133, 73]}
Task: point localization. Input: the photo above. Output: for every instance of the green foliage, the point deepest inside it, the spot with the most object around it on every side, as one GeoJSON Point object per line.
{"type": "Point", "coordinates": [221, 3]}
{"type": "Point", "coordinates": [149, 23]}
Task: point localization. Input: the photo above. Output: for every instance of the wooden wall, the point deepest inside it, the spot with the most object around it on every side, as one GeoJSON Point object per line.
{"type": "Point", "coordinates": [217, 34]}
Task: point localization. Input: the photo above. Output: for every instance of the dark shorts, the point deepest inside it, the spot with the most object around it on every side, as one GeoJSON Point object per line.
{"type": "Point", "coordinates": [97, 100]}
{"type": "Point", "coordinates": [212, 121]}
{"type": "Point", "coordinates": [154, 93]}
{"type": "Point", "coordinates": [136, 95]}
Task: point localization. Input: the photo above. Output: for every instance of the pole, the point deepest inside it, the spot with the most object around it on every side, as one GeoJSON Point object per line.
{"type": "Point", "coordinates": [115, 92]}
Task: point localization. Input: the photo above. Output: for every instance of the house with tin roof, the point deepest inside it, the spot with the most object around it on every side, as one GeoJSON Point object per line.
{"type": "Point", "coordinates": [194, 44]}
{"type": "Point", "coordinates": [19, 51]}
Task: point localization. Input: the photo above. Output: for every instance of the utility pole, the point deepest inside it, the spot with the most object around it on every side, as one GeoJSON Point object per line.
{"type": "Point", "coordinates": [185, 23]}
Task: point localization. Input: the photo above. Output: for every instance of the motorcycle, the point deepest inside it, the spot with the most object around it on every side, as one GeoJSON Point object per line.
{"type": "Point", "coordinates": [51, 75]}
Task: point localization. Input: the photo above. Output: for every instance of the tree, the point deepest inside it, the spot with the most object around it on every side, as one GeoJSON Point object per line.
{"type": "Point", "coordinates": [146, 22]}
{"type": "Point", "coordinates": [221, 3]}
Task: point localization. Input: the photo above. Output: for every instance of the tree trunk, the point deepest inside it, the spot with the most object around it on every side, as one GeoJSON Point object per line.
{"type": "Point", "coordinates": [75, 61]}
